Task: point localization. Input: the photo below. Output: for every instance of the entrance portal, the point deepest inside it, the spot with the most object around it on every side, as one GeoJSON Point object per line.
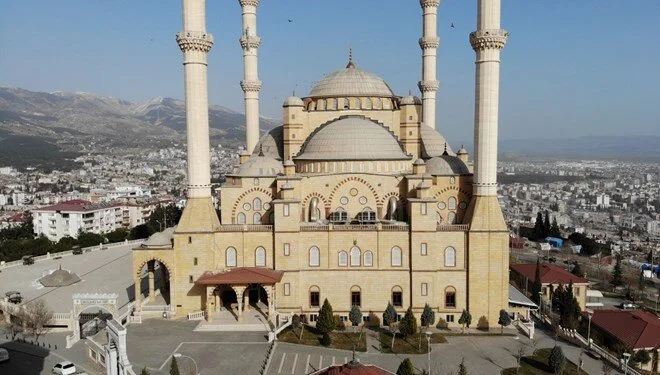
{"type": "Point", "coordinates": [91, 323]}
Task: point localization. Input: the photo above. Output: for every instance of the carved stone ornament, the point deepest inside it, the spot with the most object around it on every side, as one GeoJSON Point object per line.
{"type": "Point", "coordinates": [488, 39]}
{"type": "Point", "coordinates": [254, 86]}
{"type": "Point", "coordinates": [429, 42]}
{"type": "Point", "coordinates": [425, 86]}
{"type": "Point", "coordinates": [194, 41]}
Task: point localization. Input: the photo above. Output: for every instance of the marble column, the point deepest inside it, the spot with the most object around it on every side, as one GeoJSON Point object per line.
{"type": "Point", "coordinates": [152, 281]}
{"type": "Point", "coordinates": [209, 302]}
{"type": "Point", "coordinates": [239, 290]}
{"type": "Point", "coordinates": [487, 42]}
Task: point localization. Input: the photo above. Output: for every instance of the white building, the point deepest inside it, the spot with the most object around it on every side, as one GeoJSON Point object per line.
{"type": "Point", "coordinates": [71, 217]}
{"type": "Point", "coordinates": [603, 200]}
{"type": "Point", "coordinates": [653, 227]}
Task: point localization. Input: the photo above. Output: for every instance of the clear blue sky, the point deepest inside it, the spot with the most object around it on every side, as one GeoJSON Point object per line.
{"type": "Point", "coordinates": [570, 68]}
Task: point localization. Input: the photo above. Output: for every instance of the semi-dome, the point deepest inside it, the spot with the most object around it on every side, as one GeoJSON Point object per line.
{"type": "Point", "coordinates": [158, 239]}
{"type": "Point", "coordinates": [271, 144]}
{"type": "Point", "coordinates": [446, 165]}
{"type": "Point", "coordinates": [351, 81]}
{"type": "Point", "coordinates": [352, 138]}
{"type": "Point", "coordinates": [259, 165]}
{"type": "Point", "coordinates": [432, 143]}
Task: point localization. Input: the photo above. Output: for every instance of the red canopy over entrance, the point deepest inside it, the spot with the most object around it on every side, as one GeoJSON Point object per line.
{"type": "Point", "coordinates": [240, 275]}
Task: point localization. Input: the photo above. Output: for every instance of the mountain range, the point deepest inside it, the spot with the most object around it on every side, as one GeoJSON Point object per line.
{"type": "Point", "coordinates": [65, 114]}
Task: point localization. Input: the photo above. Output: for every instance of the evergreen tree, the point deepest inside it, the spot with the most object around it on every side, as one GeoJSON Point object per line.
{"type": "Point", "coordinates": [641, 356]}
{"type": "Point", "coordinates": [556, 360]}
{"type": "Point", "coordinates": [462, 370]}
{"type": "Point", "coordinates": [546, 224]}
{"type": "Point", "coordinates": [145, 371]}
{"type": "Point", "coordinates": [408, 324]}
{"type": "Point", "coordinates": [554, 228]}
{"type": "Point", "coordinates": [504, 320]}
{"type": "Point", "coordinates": [536, 286]}
{"type": "Point", "coordinates": [577, 270]}
{"type": "Point", "coordinates": [389, 316]}
{"type": "Point", "coordinates": [538, 226]}
{"type": "Point", "coordinates": [649, 256]}
{"type": "Point", "coordinates": [617, 274]}
{"type": "Point", "coordinates": [428, 316]}
{"type": "Point", "coordinates": [355, 316]}
{"type": "Point", "coordinates": [88, 239]}
{"type": "Point", "coordinates": [326, 321]}
{"type": "Point", "coordinates": [465, 320]}
{"type": "Point", "coordinates": [640, 282]}
{"type": "Point", "coordinates": [406, 368]}
{"type": "Point", "coordinates": [164, 217]}
{"type": "Point", "coordinates": [174, 367]}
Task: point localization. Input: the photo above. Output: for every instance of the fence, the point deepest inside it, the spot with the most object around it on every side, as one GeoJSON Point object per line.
{"type": "Point", "coordinates": [527, 328]}
{"type": "Point", "coordinates": [197, 315]}
{"type": "Point", "coordinates": [453, 227]}
{"type": "Point", "coordinates": [70, 252]}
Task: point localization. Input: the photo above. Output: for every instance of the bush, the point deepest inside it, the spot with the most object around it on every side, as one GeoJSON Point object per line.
{"type": "Point", "coordinates": [326, 322]}
{"type": "Point", "coordinates": [442, 324]}
{"type": "Point", "coordinates": [373, 320]}
{"type": "Point", "coordinates": [325, 339]}
{"type": "Point", "coordinates": [428, 316]}
{"type": "Point", "coordinates": [406, 368]}
{"type": "Point", "coordinates": [389, 315]}
{"type": "Point", "coordinates": [482, 324]}
{"type": "Point", "coordinates": [556, 360]}
{"type": "Point", "coordinates": [355, 316]}
{"type": "Point", "coordinates": [339, 324]}
{"type": "Point", "coordinates": [408, 324]}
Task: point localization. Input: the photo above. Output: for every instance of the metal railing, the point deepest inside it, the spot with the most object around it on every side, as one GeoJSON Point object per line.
{"type": "Point", "coordinates": [196, 315]}
{"type": "Point", "coordinates": [245, 228]}
{"type": "Point", "coordinates": [452, 227]}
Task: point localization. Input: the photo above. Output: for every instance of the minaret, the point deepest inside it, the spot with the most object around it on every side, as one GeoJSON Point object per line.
{"type": "Point", "coordinates": [250, 84]}
{"type": "Point", "coordinates": [429, 43]}
{"type": "Point", "coordinates": [195, 43]}
{"type": "Point", "coordinates": [487, 42]}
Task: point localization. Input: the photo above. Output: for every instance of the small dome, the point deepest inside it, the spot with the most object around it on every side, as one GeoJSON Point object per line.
{"type": "Point", "coordinates": [352, 138]}
{"type": "Point", "coordinates": [419, 162]}
{"type": "Point", "coordinates": [410, 100]}
{"type": "Point", "coordinates": [446, 165]}
{"type": "Point", "coordinates": [432, 143]}
{"type": "Point", "coordinates": [351, 81]}
{"type": "Point", "coordinates": [59, 278]}
{"type": "Point", "coordinates": [293, 101]}
{"type": "Point", "coordinates": [259, 165]}
{"type": "Point", "coordinates": [271, 144]}
{"type": "Point", "coordinates": [159, 239]}
{"type": "Point", "coordinates": [461, 151]}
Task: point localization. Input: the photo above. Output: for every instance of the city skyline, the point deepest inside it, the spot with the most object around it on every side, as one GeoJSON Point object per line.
{"type": "Point", "coordinates": [584, 82]}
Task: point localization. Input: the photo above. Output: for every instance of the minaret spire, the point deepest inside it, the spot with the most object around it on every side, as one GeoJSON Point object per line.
{"type": "Point", "coordinates": [429, 43]}
{"type": "Point", "coordinates": [351, 64]}
{"type": "Point", "coordinates": [195, 43]}
{"type": "Point", "coordinates": [250, 84]}
{"type": "Point", "coordinates": [487, 42]}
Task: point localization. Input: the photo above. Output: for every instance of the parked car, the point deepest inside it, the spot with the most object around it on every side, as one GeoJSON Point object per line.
{"type": "Point", "coordinates": [76, 250]}
{"type": "Point", "coordinates": [4, 355]}
{"type": "Point", "coordinates": [593, 354]}
{"type": "Point", "coordinates": [628, 305]}
{"type": "Point", "coordinates": [64, 368]}
{"type": "Point", "coordinates": [27, 260]}
{"type": "Point", "coordinates": [14, 297]}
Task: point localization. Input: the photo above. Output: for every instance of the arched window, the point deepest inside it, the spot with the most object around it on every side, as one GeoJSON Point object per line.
{"type": "Point", "coordinates": [450, 257]}
{"type": "Point", "coordinates": [343, 259]}
{"type": "Point", "coordinates": [451, 218]}
{"type": "Point", "coordinates": [368, 259]}
{"type": "Point", "coordinates": [260, 257]}
{"type": "Point", "coordinates": [230, 257]}
{"type": "Point", "coordinates": [366, 103]}
{"type": "Point", "coordinates": [332, 104]}
{"type": "Point", "coordinates": [378, 104]}
{"type": "Point", "coordinates": [355, 256]}
{"type": "Point", "coordinates": [452, 203]}
{"type": "Point", "coordinates": [314, 296]}
{"type": "Point", "coordinates": [345, 103]}
{"type": "Point", "coordinates": [256, 218]}
{"type": "Point", "coordinates": [386, 103]}
{"type": "Point", "coordinates": [396, 256]}
{"type": "Point", "coordinates": [240, 218]}
{"type": "Point", "coordinates": [256, 204]}
{"type": "Point", "coordinates": [356, 296]}
{"type": "Point", "coordinates": [321, 104]}
{"type": "Point", "coordinates": [397, 296]}
{"type": "Point", "coordinates": [314, 256]}
{"type": "Point", "coordinates": [450, 297]}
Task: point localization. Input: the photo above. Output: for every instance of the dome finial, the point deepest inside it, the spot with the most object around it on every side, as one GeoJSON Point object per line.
{"type": "Point", "coordinates": [261, 149]}
{"type": "Point", "coordinates": [350, 64]}
{"type": "Point", "coordinates": [409, 92]}
{"type": "Point", "coordinates": [445, 153]}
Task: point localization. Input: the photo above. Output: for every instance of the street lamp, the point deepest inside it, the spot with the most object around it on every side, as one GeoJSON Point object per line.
{"type": "Point", "coordinates": [428, 347]}
{"type": "Point", "coordinates": [590, 313]}
{"type": "Point", "coordinates": [541, 302]}
{"type": "Point", "coordinates": [626, 358]}
{"type": "Point", "coordinates": [179, 355]}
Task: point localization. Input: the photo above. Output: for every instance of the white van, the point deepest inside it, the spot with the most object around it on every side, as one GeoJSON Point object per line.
{"type": "Point", "coordinates": [4, 355]}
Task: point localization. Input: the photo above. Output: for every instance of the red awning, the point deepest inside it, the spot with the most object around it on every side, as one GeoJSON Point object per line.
{"type": "Point", "coordinates": [241, 275]}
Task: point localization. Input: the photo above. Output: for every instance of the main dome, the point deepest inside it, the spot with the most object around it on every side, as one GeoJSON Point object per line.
{"type": "Point", "coordinates": [352, 138]}
{"type": "Point", "coordinates": [351, 81]}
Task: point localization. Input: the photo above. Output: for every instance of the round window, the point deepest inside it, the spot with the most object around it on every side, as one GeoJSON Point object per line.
{"type": "Point", "coordinates": [266, 206]}
{"type": "Point", "coordinates": [247, 206]}
{"type": "Point", "coordinates": [354, 192]}
{"type": "Point", "coordinates": [343, 200]}
{"type": "Point", "coordinates": [363, 200]}
{"type": "Point", "coordinates": [442, 205]}
{"type": "Point", "coordinates": [462, 205]}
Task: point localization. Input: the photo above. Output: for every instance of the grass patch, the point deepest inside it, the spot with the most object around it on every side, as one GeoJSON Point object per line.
{"type": "Point", "coordinates": [408, 345]}
{"type": "Point", "coordinates": [537, 364]}
{"type": "Point", "coordinates": [340, 340]}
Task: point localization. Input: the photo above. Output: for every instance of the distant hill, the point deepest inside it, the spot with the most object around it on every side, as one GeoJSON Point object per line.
{"type": "Point", "coordinates": [596, 147]}
{"type": "Point", "coordinates": [58, 114]}
{"type": "Point", "coordinates": [22, 151]}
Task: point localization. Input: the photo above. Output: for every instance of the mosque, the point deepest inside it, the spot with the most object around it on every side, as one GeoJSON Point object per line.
{"type": "Point", "coordinates": [356, 198]}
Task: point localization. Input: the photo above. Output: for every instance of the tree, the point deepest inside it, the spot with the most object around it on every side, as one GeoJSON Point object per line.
{"type": "Point", "coordinates": [65, 243]}
{"type": "Point", "coordinates": [428, 316]}
{"type": "Point", "coordinates": [577, 270]}
{"type": "Point", "coordinates": [649, 256]}
{"type": "Point", "coordinates": [389, 315]}
{"type": "Point", "coordinates": [355, 315]}
{"type": "Point", "coordinates": [406, 368]}
{"type": "Point", "coordinates": [408, 324]}
{"type": "Point", "coordinates": [326, 321]}
{"type": "Point", "coordinates": [617, 274]}
{"type": "Point", "coordinates": [504, 320]}
{"type": "Point", "coordinates": [118, 235]}
{"type": "Point", "coordinates": [164, 217]}
{"type": "Point", "coordinates": [556, 360]}
{"type": "Point", "coordinates": [654, 360]}
{"type": "Point", "coordinates": [37, 316]}
{"type": "Point", "coordinates": [536, 285]}
{"type": "Point", "coordinates": [145, 371]}
{"type": "Point", "coordinates": [174, 367]}
{"type": "Point", "coordinates": [465, 320]}
{"type": "Point", "coordinates": [462, 370]}
{"type": "Point", "coordinates": [554, 228]}
{"type": "Point", "coordinates": [546, 224]}
{"type": "Point", "coordinates": [538, 226]}
{"type": "Point", "coordinates": [640, 282]}
{"type": "Point", "coordinates": [139, 232]}
{"type": "Point", "coordinates": [641, 356]}
{"type": "Point", "coordinates": [88, 239]}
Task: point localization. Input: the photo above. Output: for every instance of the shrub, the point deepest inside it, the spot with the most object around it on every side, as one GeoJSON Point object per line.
{"type": "Point", "coordinates": [482, 324]}
{"type": "Point", "coordinates": [408, 324]}
{"type": "Point", "coordinates": [355, 316]}
{"type": "Point", "coordinates": [428, 316]}
{"type": "Point", "coordinates": [406, 368]}
{"type": "Point", "coordinates": [442, 324]}
{"type": "Point", "coordinates": [339, 324]}
{"type": "Point", "coordinates": [373, 320]}
{"type": "Point", "coordinates": [556, 360]}
{"type": "Point", "coordinates": [325, 339]}
{"type": "Point", "coordinates": [389, 315]}
{"type": "Point", "coordinates": [326, 322]}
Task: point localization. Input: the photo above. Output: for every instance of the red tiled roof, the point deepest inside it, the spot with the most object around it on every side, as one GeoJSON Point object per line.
{"type": "Point", "coordinates": [241, 275]}
{"type": "Point", "coordinates": [550, 273]}
{"type": "Point", "coordinates": [352, 369]}
{"type": "Point", "coordinates": [77, 205]}
{"type": "Point", "coordinates": [636, 328]}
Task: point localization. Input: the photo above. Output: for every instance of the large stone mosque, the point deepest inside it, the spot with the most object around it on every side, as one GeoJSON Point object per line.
{"type": "Point", "coordinates": [356, 198]}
